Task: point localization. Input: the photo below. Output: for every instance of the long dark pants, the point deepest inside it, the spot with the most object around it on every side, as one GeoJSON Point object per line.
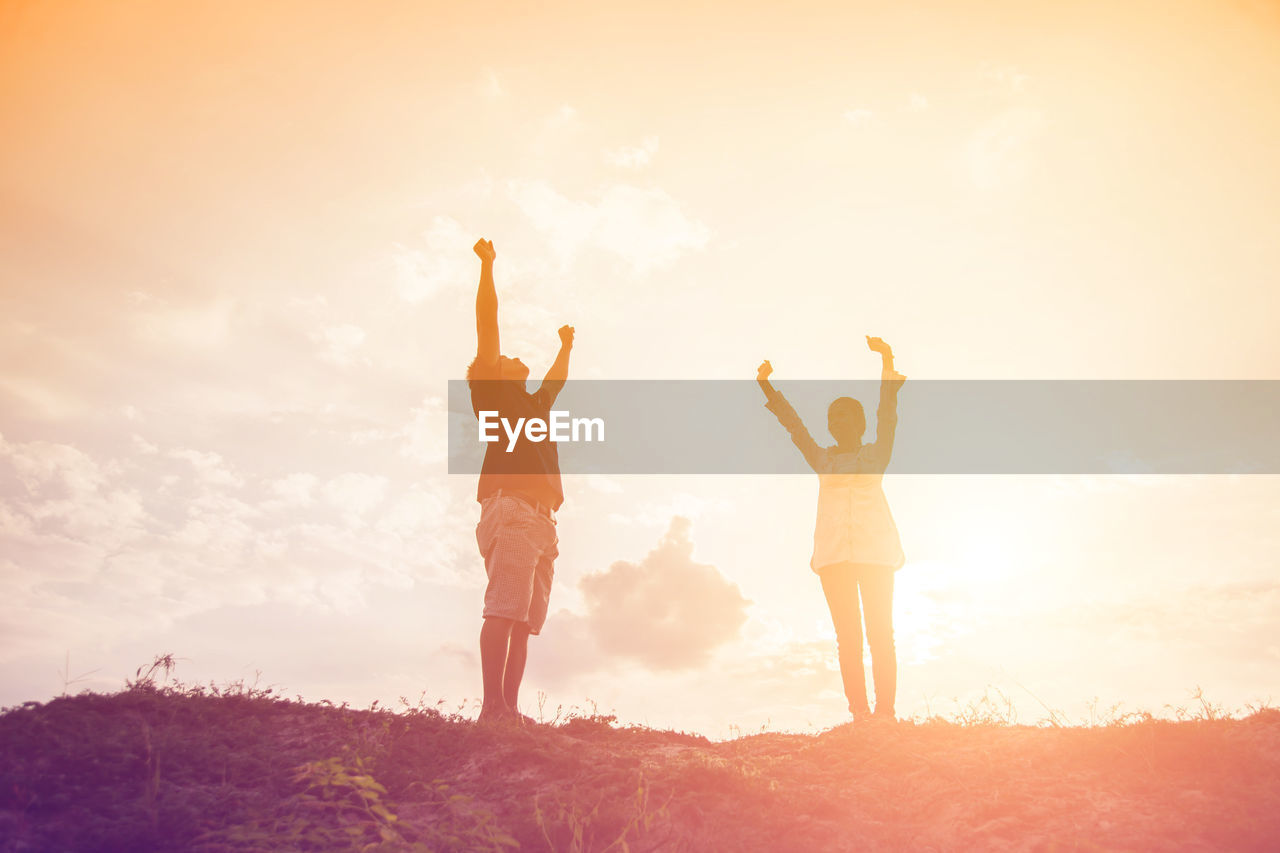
{"type": "Point", "coordinates": [843, 584]}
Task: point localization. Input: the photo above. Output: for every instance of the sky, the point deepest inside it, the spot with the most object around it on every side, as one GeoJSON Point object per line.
{"type": "Point", "coordinates": [236, 276]}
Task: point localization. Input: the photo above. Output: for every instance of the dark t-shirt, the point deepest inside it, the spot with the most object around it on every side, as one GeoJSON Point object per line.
{"type": "Point", "coordinates": [532, 467]}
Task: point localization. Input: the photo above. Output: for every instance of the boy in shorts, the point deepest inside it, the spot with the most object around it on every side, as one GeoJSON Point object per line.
{"type": "Point", "coordinates": [519, 494]}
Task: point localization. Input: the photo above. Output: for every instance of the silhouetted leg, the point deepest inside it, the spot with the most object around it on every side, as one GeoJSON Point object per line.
{"type": "Point", "coordinates": [495, 640]}
{"type": "Point", "coordinates": [876, 583]}
{"type": "Point", "coordinates": [840, 585]}
{"type": "Point", "coordinates": [517, 653]}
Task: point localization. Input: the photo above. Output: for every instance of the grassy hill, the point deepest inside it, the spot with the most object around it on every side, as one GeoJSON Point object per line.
{"type": "Point", "coordinates": [169, 768]}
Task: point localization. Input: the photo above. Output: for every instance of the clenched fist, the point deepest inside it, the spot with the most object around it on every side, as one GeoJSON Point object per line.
{"type": "Point", "coordinates": [878, 345]}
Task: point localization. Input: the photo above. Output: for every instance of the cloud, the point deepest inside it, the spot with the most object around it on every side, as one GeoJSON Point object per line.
{"type": "Point", "coordinates": [646, 228]}
{"type": "Point", "coordinates": [1232, 620]}
{"type": "Point", "coordinates": [997, 153]}
{"type": "Point", "coordinates": [684, 504]}
{"type": "Point", "coordinates": [563, 115]}
{"type": "Point", "coordinates": [555, 134]}
{"type": "Point", "coordinates": [666, 612]}
{"type": "Point", "coordinates": [444, 261]}
{"type": "Point", "coordinates": [58, 494]}
{"type": "Point", "coordinates": [791, 683]}
{"type": "Point", "coordinates": [294, 490]}
{"type": "Point", "coordinates": [566, 650]}
{"type": "Point", "coordinates": [603, 485]}
{"type": "Point", "coordinates": [917, 103]}
{"type": "Point", "coordinates": [96, 546]}
{"type": "Point", "coordinates": [210, 468]}
{"type": "Point", "coordinates": [339, 343]}
{"type": "Point", "coordinates": [796, 672]}
{"type": "Point", "coordinates": [413, 513]}
{"type": "Point", "coordinates": [859, 117]}
{"type": "Point", "coordinates": [38, 464]}
{"type": "Point", "coordinates": [355, 494]}
{"type": "Point", "coordinates": [425, 437]}
{"type": "Point", "coordinates": [632, 156]}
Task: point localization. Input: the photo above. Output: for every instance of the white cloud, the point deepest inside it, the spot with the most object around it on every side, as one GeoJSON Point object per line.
{"type": "Point", "coordinates": [444, 261]}
{"type": "Point", "coordinates": [413, 513]}
{"type": "Point", "coordinates": [339, 343]}
{"type": "Point", "coordinates": [97, 548]}
{"type": "Point", "coordinates": [563, 115]}
{"type": "Point", "coordinates": [210, 468]}
{"type": "Point", "coordinates": [646, 228]}
{"type": "Point", "coordinates": [555, 134]}
{"type": "Point", "coordinates": [603, 485]}
{"type": "Point", "coordinates": [425, 436]}
{"type": "Point", "coordinates": [60, 491]}
{"type": "Point", "coordinates": [39, 464]}
{"type": "Point", "coordinates": [355, 494]}
{"type": "Point", "coordinates": [667, 611]}
{"type": "Point", "coordinates": [859, 117]}
{"type": "Point", "coordinates": [295, 490]}
{"type": "Point", "coordinates": [682, 504]}
{"type": "Point", "coordinates": [633, 156]}
{"type": "Point", "coordinates": [141, 445]}
{"type": "Point", "coordinates": [917, 103]}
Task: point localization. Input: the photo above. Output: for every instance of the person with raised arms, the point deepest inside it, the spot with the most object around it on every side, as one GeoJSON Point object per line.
{"type": "Point", "coordinates": [856, 548]}
{"type": "Point", "coordinates": [519, 494]}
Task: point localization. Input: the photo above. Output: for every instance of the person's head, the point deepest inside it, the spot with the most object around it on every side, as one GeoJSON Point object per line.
{"type": "Point", "coordinates": [845, 421]}
{"type": "Point", "coordinates": [508, 368]}
{"type": "Point", "coordinates": [512, 368]}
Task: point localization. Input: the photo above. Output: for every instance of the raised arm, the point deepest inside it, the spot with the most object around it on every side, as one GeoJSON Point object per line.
{"type": "Point", "coordinates": [559, 372]}
{"type": "Point", "coordinates": [486, 313]}
{"type": "Point", "coordinates": [887, 412]}
{"type": "Point", "coordinates": [763, 372]}
{"type": "Point", "coordinates": [786, 415]}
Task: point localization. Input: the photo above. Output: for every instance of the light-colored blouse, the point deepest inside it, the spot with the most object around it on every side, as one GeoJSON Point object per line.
{"type": "Point", "coordinates": [854, 522]}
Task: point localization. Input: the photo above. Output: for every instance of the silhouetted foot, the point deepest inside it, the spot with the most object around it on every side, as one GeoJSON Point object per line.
{"type": "Point", "coordinates": [499, 716]}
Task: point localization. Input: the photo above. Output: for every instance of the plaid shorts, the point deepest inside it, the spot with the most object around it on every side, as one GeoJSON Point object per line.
{"type": "Point", "coordinates": [518, 544]}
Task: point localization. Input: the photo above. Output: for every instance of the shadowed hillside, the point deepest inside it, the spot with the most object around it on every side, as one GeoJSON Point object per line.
{"type": "Point", "coordinates": [154, 768]}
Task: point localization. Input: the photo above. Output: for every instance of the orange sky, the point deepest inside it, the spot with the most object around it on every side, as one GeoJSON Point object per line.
{"type": "Point", "coordinates": [235, 276]}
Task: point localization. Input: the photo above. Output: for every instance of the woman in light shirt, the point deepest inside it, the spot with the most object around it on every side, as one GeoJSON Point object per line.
{"type": "Point", "coordinates": [856, 548]}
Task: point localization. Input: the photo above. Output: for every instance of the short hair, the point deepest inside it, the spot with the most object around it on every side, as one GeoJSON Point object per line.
{"type": "Point", "coordinates": [847, 402]}
{"type": "Point", "coordinates": [474, 371]}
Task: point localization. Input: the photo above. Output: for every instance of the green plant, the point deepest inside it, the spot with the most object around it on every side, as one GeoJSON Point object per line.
{"type": "Point", "coordinates": [340, 807]}
{"type": "Point", "coordinates": [457, 823]}
{"type": "Point", "coordinates": [581, 827]}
